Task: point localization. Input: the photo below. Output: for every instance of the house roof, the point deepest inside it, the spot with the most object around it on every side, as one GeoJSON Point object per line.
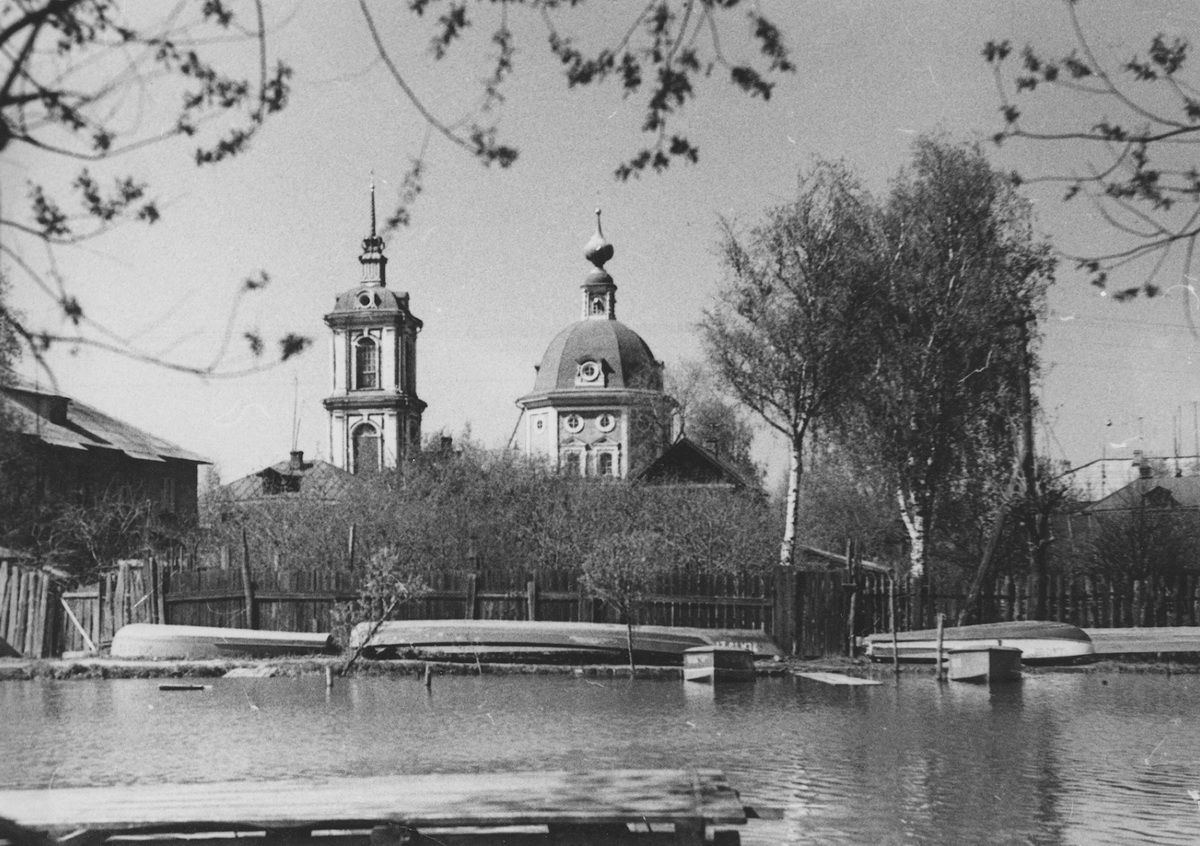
{"type": "Point", "coordinates": [685, 461]}
{"type": "Point", "coordinates": [60, 421]}
{"type": "Point", "coordinates": [316, 479]}
{"type": "Point", "coordinates": [1170, 491]}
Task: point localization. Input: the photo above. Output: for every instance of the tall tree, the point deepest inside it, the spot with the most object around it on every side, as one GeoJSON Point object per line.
{"type": "Point", "coordinates": [786, 333]}
{"type": "Point", "coordinates": [1131, 133]}
{"type": "Point", "coordinates": [961, 275]}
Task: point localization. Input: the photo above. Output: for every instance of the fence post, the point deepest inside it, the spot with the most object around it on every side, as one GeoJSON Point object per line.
{"type": "Point", "coordinates": [247, 583]}
{"type": "Point", "coordinates": [531, 594]}
{"type": "Point", "coordinates": [469, 597]}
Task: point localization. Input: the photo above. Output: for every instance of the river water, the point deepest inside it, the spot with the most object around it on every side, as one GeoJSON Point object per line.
{"type": "Point", "coordinates": [1056, 758]}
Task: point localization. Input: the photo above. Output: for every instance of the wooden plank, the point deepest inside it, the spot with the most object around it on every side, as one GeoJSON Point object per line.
{"type": "Point", "coordinates": [523, 798]}
{"type": "Point", "coordinates": [837, 678]}
{"type": "Point", "coordinates": [5, 583]}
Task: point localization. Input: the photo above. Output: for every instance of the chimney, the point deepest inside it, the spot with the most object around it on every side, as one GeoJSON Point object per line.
{"type": "Point", "coordinates": [296, 460]}
{"type": "Point", "coordinates": [447, 444]}
{"type": "Point", "coordinates": [1142, 464]}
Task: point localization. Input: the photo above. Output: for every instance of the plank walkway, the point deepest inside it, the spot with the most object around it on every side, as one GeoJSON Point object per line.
{"type": "Point", "coordinates": [690, 800]}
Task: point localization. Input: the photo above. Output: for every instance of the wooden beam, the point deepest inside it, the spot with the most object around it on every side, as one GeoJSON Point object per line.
{"type": "Point", "coordinates": [688, 799]}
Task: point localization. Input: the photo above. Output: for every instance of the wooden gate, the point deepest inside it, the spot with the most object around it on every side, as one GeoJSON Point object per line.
{"type": "Point", "coordinates": [132, 593]}
{"type": "Point", "coordinates": [27, 611]}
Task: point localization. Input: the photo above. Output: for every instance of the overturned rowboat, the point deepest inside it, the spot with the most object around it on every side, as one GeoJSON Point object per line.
{"type": "Point", "coordinates": [547, 641]}
{"type": "Point", "coordinates": [1040, 642]}
{"type": "Point", "coordinates": [152, 640]}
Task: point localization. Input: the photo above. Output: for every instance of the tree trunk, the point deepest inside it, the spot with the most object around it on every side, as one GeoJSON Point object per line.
{"type": "Point", "coordinates": [629, 642]}
{"type": "Point", "coordinates": [916, 522]}
{"type": "Point", "coordinates": [787, 550]}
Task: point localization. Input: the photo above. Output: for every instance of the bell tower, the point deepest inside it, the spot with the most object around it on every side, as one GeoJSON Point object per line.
{"type": "Point", "coordinates": [374, 411]}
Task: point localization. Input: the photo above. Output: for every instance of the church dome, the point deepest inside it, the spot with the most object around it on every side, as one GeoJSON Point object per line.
{"type": "Point", "coordinates": [622, 354]}
{"type": "Point", "coordinates": [373, 298]}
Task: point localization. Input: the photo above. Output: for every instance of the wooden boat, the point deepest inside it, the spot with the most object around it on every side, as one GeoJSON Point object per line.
{"type": "Point", "coordinates": [152, 640]}
{"type": "Point", "coordinates": [717, 664]}
{"type": "Point", "coordinates": [546, 641]}
{"type": "Point", "coordinates": [987, 665]}
{"type": "Point", "coordinates": [1040, 642]}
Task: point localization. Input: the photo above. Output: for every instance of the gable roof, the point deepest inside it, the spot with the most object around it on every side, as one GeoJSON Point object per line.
{"type": "Point", "coordinates": [59, 421]}
{"type": "Point", "coordinates": [686, 462]}
{"type": "Point", "coordinates": [315, 479]}
{"type": "Point", "coordinates": [1167, 492]}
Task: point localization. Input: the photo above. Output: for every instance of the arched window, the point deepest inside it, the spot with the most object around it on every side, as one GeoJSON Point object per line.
{"type": "Point", "coordinates": [365, 442]}
{"type": "Point", "coordinates": [366, 364]}
{"type": "Point", "coordinates": [604, 464]}
{"type": "Point", "coordinates": [572, 465]}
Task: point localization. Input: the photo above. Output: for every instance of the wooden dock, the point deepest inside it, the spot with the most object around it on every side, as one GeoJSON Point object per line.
{"type": "Point", "coordinates": [610, 807]}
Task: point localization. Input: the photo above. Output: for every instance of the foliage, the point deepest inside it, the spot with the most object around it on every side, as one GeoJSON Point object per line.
{"type": "Point", "coordinates": [847, 499]}
{"type": "Point", "coordinates": [88, 82]}
{"type": "Point", "coordinates": [661, 53]}
{"type": "Point", "coordinates": [786, 333]}
{"type": "Point", "coordinates": [477, 508]}
{"type": "Point", "coordinates": [1134, 141]}
{"type": "Point", "coordinates": [1144, 542]}
{"type": "Point", "coordinates": [622, 570]}
{"type": "Point", "coordinates": [707, 416]}
{"type": "Point", "coordinates": [962, 275]}
{"type": "Point", "coordinates": [79, 75]}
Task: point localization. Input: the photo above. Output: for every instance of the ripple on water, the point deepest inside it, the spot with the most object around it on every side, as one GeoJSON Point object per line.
{"type": "Point", "coordinates": [1053, 759]}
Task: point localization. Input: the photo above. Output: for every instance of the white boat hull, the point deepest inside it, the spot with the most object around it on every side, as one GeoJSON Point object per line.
{"type": "Point", "coordinates": [1045, 643]}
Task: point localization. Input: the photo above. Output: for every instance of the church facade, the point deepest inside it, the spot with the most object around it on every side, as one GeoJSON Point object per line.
{"type": "Point", "coordinates": [597, 407]}
{"type": "Point", "coordinates": [374, 411]}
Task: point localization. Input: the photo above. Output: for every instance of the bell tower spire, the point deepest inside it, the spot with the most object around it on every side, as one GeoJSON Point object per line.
{"type": "Point", "coordinates": [374, 262]}
{"type": "Point", "coordinates": [599, 290]}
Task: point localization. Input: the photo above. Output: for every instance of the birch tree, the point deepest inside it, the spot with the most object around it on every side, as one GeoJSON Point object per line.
{"type": "Point", "coordinates": [961, 273]}
{"type": "Point", "coordinates": [786, 333]}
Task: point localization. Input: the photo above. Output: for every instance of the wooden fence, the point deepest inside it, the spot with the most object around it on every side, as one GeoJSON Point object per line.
{"type": "Point", "coordinates": [27, 611]}
{"type": "Point", "coordinates": [306, 601]}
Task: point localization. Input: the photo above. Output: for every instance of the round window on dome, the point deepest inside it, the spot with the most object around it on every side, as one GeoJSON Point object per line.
{"type": "Point", "coordinates": [364, 300]}
{"type": "Point", "coordinates": [573, 423]}
{"type": "Point", "coordinates": [589, 371]}
{"type": "Point", "coordinates": [606, 422]}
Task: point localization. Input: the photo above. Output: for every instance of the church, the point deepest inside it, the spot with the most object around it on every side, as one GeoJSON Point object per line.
{"type": "Point", "coordinates": [374, 411]}
{"type": "Point", "coordinates": [597, 407]}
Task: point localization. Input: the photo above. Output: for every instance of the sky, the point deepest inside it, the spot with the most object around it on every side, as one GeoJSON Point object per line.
{"type": "Point", "coordinates": [494, 258]}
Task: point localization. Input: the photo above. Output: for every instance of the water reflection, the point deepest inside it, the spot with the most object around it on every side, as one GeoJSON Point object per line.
{"type": "Point", "coordinates": [1052, 759]}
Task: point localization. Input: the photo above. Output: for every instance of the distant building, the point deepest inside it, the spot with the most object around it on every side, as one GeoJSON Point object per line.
{"type": "Point", "coordinates": [82, 455]}
{"type": "Point", "coordinates": [685, 462]}
{"type": "Point", "coordinates": [374, 411]}
{"type": "Point", "coordinates": [291, 478]}
{"type": "Point", "coordinates": [1150, 492]}
{"type": "Point", "coordinates": [597, 407]}
{"type": "Point", "coordinates": [1097, 479]}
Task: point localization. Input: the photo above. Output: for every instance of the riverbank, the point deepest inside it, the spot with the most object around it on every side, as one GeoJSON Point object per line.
{"type": "Point", "coordinates": [22, 669]}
